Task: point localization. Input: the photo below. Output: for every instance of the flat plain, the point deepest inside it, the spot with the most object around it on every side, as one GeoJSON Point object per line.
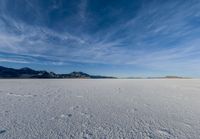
{"type": "Point", "coordinates": [100, 109]}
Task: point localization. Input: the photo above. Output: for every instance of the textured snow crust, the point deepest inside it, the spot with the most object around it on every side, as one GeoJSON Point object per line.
{"type": "Point", "coordinates": [100, 109]}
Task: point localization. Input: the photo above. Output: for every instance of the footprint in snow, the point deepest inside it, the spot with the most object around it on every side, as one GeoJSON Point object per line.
{"type": "Point", "coordinates": [87, 135]}
{"type": "Point", "coordinates": [86, 115]}
{"type": "Point", "coordinates": [2, 131]}
{"type": "Point", "coordinates": [18, 95]}
{"type": "Point", "coordinates": [75, 107]}
{"type": "Point", "coordinates": [132, 111]}
{"type": "Point", "coordinates": [164, 132]}
{"type": "Point", "coordinates": [65, 116]}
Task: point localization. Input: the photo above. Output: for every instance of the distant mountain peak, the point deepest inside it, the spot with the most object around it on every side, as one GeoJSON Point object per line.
{"type": "Point", "coordinates": [27, 72]}
{"type": "Point", "coordinates": [26, 68]}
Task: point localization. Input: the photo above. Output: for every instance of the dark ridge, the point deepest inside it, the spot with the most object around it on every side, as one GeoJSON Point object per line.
{"type": "Point", "coordinates": [30, 73]}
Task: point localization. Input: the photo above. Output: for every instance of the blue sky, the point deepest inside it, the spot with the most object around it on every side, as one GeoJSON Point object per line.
{"type": "Point", "coordinates": [119, 37]}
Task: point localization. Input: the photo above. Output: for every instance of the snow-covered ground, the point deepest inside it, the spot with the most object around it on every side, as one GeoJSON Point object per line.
{"type": "Point", "coordinates": [100, 109]}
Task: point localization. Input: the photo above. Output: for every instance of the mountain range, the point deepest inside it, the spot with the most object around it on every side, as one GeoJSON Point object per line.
{"type": "Point", "coordinates": [30, 73]}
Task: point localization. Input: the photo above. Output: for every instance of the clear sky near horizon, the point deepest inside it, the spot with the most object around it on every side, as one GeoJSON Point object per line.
{"type": "Point", "coordinates": [107, 37]}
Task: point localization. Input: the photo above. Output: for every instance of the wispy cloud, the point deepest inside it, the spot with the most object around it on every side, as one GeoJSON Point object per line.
{"type": "Point", "coordinates": [83, 9]}
{"type": "Point", "coordinates": [156, 36]}
{"type": "Point", "coordinates": [13, 60]}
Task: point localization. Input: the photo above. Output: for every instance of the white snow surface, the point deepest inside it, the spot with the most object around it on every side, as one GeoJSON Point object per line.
{"type": "Point", "coordinates": [99, 109]}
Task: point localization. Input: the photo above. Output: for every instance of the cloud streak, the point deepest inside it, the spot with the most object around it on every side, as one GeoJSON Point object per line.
{"type": "Point", "coordinates": [157, 36]}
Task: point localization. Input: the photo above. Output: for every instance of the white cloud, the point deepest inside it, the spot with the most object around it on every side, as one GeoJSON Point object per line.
{"type": "Point", "coordinates": [148, 39]}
